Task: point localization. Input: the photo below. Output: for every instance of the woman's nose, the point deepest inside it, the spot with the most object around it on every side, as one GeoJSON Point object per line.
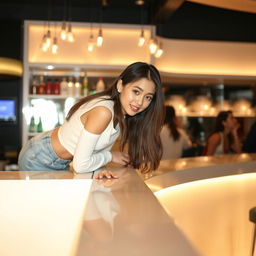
{"type": "Point", "coordinates": [139, 100]}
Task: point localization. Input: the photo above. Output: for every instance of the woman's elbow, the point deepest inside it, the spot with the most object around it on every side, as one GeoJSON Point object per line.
{"type": "Point", "coordinates": [80, 168]}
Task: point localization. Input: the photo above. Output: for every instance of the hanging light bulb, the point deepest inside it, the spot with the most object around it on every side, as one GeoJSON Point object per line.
{"type": "Point", "coordinates": [55, 45]}
{"type": "Point", "coordinates": [70, 35]}
{"type": "Point", "coordinates": [90, 46]}
{"type": "Point", "coordinates": [63, 32]}
{"type": "Point", "coordinates": [100, 38]}
{"type": "Point", "coordinates": [48, 39]}
{"type": "Point", "coordinates": [44, 46]}
{"type": "Point", "coordinates": [152, 46]}
{"type": "Point", "coordinates": [141, 39]}
{"type": "Point", "coordinates": [159, 51]}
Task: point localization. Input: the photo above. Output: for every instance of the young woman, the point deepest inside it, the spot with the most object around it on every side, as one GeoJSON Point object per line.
{"type": "Point", "coordinates": [224, 138]}
{"type": "Point", "coordinates": [174, 139]}
{"type": "Point", "coordinates": [132, 108]}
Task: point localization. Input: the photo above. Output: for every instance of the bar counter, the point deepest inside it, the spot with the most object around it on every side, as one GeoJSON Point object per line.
{"type": "Point", "coordinates": [123, 216]}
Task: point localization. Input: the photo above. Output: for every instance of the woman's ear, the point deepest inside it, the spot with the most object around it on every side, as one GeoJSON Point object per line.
{"type": "Point", "coordinates": [119, 85]}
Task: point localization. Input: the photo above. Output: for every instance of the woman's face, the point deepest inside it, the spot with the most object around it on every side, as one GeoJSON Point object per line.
{"type": "Point", "coordinates": [136, 97]}
{"type": "Point", "coordinates": [230, 122]}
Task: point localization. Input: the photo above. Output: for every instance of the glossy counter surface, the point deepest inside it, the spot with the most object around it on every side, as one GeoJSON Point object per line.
{"type": "Point", "coordinates": [122, 217]}
{"type": "Point", "coordinates": [210, 201]}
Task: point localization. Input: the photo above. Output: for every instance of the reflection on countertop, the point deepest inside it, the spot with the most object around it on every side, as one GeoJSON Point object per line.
{"type": "Point", "coordinates": [123, 217]}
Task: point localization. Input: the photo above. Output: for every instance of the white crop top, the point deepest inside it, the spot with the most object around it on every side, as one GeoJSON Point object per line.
{"type": "Point", "coordinates": [90, 151]}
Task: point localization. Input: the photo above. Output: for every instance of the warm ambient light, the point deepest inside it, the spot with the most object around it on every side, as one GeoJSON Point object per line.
{"type": "Point", "coordinates": [218, 212]}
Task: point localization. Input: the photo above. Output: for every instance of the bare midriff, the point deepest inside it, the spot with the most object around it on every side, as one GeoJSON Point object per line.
{"type": "Point", "coordinates": [58, 148]}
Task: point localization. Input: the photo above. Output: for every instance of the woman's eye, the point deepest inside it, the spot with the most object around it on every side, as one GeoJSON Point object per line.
{"type": "Point", "coordinates": [149, 98]}
{"type": "Point", "coordinates": [136, 92]}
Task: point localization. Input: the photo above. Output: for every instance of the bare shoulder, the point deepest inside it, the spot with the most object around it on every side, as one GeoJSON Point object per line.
{"type": "Point", "coordinates": [97, 119]}
{"type": "Point", "coordinates": [215, 138]}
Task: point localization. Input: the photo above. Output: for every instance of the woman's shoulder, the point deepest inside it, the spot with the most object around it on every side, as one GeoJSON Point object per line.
{"type": "Point", "coordinates": [102, 101]}
{"type": "Point", "coordinates": [216, 136]}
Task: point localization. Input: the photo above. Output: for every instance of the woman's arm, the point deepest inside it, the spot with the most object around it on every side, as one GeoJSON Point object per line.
{"type": "Point", "coordinates": [212, 144]}
{"type": "Point", "coordinates": [95, 122]}
{"type": "Point", "coordinates": [236, 145]}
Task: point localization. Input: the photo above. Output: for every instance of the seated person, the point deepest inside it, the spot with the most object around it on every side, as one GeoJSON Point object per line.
{"type": "Point", "coordinates": [224, 139]}
{"type": "Point", "coordinates": [174, 139]}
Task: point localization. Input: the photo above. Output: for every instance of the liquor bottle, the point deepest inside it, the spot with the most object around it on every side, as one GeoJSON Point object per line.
{"type": "Point", "coordinates": [64, 87]}
{"type": "Point", "coordinates": [48, 87]}
{"type": "Point", "coordinates": [100, 86]}
{"type": "Point", "coordinates": [85, 86]}
{"type": "Point", "coordinates": [32, 125]}
{"type": "Point", "coordinates": [41, 86]}
{"type": "Point", "coordinates": [70, 87]}
{"type": "Point", "coordinates": [77, 88]}
{"type": "Point", "coordinates": [40, 125]}
{"type": "Point", "coordinates": [56, 87]}
{"type": "Point", "coordinates": [33, 88]}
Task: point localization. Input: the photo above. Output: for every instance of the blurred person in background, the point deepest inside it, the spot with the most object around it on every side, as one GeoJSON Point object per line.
{"type": "Point", "coordinates": [174, 139]}
{"type": "Point", "coordinates": [224, 138]}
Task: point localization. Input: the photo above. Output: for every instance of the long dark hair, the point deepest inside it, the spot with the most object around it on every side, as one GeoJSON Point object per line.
{"type": "Point", "coordinates": [221, 117]}
{"type": "Point", "coordinates": [140, 132]}
{"type": "Point", "coordinates": [170, 121]}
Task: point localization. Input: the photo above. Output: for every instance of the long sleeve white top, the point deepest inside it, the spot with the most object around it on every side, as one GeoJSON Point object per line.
{"type": "Point", "coordinates": [90, 151]}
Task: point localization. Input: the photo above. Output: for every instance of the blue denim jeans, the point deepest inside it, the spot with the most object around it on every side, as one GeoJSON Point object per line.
{"type": "Point", "coordinates": [38, 155]}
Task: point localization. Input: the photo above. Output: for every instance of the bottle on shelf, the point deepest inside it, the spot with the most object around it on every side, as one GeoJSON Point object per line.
{"type": "Point", "coordinates": [56, 87]}
{"type": "Point", "coordinates": [64, 87]}
{"type": "Point", "coordinates": [40, 125]}
{"type": "Point", "coordinates": [85, 86]}
{"type": "Point", "coordinates": [41, 86]}
{"type": "Point", "coordinates": [33, 88]}
{"type": "Point", "coordinates": [70, 87]}
{"type": "Point", "coordinates": [32, 125]}
{"type": "Point", "coordinates": [100, 86]}
{"type": "Point", "coordinates": [48, 87]}
{"type": "Point", "coordinates": [77, 88]}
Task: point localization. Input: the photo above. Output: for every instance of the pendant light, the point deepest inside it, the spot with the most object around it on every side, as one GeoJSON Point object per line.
{"type": "Point", "coordinates": [90, 45]}
{"type": "Point", "coordinates": [63, 32]}
{"type": "Point", "coordinates": [55, 43]}
{"type": "Point", "coordinates": [100, 34]}
{"type": "Point", "coordinates": [100, 38]}
{"type": "Point", "coordinates": [141, 41]}
{"type": "Point", "coordinates": [70, 34]}
{"type": "Point", "coordinates": [159, 50]}
{"type": "Point", "coordinates": [152, 43]}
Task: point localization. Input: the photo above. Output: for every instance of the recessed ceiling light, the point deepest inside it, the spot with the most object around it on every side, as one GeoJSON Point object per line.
{"type": "Point", "coordinates": [50, 67]}
{"type": "Point", "coordinates": [139, 2]}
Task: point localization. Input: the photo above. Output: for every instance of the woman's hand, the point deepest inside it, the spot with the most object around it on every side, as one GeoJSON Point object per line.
{"type": "Point", "coordinates": [106, 174]}
{"type": "Point", "coordinates": [120, 158]}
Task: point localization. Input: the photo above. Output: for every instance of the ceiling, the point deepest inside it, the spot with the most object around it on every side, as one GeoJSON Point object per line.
{"type": "Point", "coordinates": [181, 19]}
